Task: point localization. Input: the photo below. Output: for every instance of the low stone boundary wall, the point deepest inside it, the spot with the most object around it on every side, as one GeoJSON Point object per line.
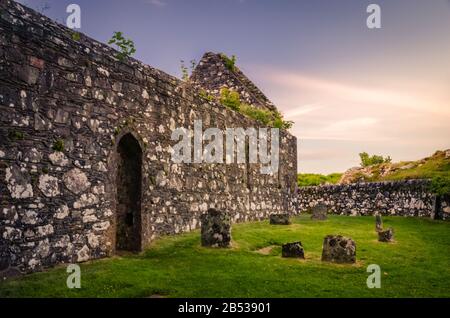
{"type": "Point", "coordinates": [404, 198]}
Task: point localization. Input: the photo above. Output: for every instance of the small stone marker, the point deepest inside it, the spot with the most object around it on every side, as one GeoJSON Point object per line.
{"type": "Point", "coordinates": [216, 228]}
{"type": "Point", "coordinates": [319, 212]}
{"type": "Point", "coordinates": [383, 235]}
{"type": "Point", "coordinates": [338, 249]}
{"type": "Point", "coordinates": [280, 219]}
{"type": "Point", "coordinates": [294, 249]}
{"type": "Point", "coordinates": [378, 223]}
{"type": "Point", "coordinates": [386, 236]}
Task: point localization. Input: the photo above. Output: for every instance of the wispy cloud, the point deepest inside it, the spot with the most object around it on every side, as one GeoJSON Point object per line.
{"type": "Point", "coordinates": [156, 3]}
{"type": "Point", "coordinates": [298, 111]}
{"type": "Point", "coordinates": [322, 154]}
{"type": "Point", "coordinates": [351, 124]}
{"type": "Point", "coordinates": [355, 129]}
{"type": "Point", "coordinates": [364, 95]}
{"type": "Point", "coordinates": [337, 117]}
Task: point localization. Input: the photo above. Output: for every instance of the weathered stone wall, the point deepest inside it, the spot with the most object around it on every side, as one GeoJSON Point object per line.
{"type": "Point", "coordinates": [64, 107]}
{"type": "Point", "coordinates": [442, 207]}
{"type": "Point", "coordinates": [404, 198]}
{"type": "Point", "coordinates": [212, 74]}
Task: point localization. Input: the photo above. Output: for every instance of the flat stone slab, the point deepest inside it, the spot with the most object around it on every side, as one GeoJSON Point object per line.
{"type": "Point", "coordinates": [216, 228]}
{"type": "Point", "coordinates": [319, 212]}
{"type": "Point", "coordinates": [280, 219]}
{"type": "Point", "coordinates": [294, 250]}
{"type": "Point", "coordinates": [386, 236]}
{"type": "Point", "coordinates": [338, 249]}
{"type": "Point", "coordinates": [266, 250]}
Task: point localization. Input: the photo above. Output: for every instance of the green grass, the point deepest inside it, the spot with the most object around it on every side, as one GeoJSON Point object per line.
{"type": "Point", "coordinates": [314, 179]}
{"type": "Point", "coordinates": [416, 265]}
{"type": "Point", "coordinates": [435, 166]}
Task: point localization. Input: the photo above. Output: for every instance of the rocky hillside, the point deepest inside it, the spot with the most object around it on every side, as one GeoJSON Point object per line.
{"type": "Point", "coordinates": [436, 165]}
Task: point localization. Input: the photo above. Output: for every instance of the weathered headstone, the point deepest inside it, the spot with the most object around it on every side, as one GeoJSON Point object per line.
{"type": "Point", "coordinates": [294, 249]}
{"type": "Point", "coordinates": [216, 228]}
{"type": "Point", "coordinates": [386, 236]}
{"type": "Point", "coordinates": [319, 212]}
{"type": "Point", "coordinates": [9, 273]}
{"type": "Point", "coordinates": [338, 249]}
{"type": "Point", "coordinates": [280, 219]}
{"type": "Point", "coordinates": [383, 235]}
{"type": "Point", "coordinates": [378, 222]}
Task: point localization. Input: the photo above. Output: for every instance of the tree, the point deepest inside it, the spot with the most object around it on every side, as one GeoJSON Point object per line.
{"type": "Point", "coordinates": [367, 160]}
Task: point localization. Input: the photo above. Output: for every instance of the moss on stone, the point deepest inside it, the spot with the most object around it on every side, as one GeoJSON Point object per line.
{"type": "Point", "coordinates": [58, 145]}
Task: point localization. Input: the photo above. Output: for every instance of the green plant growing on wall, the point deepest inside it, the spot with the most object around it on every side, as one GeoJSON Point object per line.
{"type": "Point", "coordinates": [204, 94]}
{"type": "Point", "coordinates": [58, 145]}
{"type": "Point", "coordinates": [279, 122]}
{"type": "Point", "coordinates": [230, 99]}
{"type": "Point", "coordinates": [76, 36]}
{"type": "Point", "coordinates": [185, 74]}
{"type": "Point", "coordinates": [125, 46]}
{"type": "Point", "coordinates": [260, 115]}
{"type": "Point", "coordinates": [184, 71]}
{"type": "Point", "coordinates": [230, 63]}
{"type": "Point", "coordinates": [16, 135]}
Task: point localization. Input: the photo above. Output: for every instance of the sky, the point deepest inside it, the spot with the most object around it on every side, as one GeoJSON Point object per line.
{"type": "Point", "coordinates": [347, 88]}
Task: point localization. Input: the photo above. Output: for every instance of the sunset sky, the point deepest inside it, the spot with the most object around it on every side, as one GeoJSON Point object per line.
{"type": "Point", "coordinates": [347, 88]}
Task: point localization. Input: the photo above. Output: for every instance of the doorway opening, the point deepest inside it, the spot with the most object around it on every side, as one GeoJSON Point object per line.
{"type": "Point", "coordinates": [129, 179]}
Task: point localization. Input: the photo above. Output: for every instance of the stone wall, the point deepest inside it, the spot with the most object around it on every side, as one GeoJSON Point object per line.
{"type": "Point", "coordinates": [74, 120]}
{"type": "Point", "coordinates": [442, 207]}
{"type": "Point", "coordinates": [212, 74]}
{"type": "Point", "coordinates": [404, 198]}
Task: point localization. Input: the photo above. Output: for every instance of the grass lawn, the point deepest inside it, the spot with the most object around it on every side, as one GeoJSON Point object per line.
{"type": "Point", "coordinates": [435, 166]}
{"type": "Point", "coordinates": [416, 265]}
{"type": "Point", "coordinates": [315, 179]}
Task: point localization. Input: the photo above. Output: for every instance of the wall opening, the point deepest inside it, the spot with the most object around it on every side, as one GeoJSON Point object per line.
{"type": "Point", "coordinates": [128, 210]}
{"type": "Point", "coordinates": [437, 205]}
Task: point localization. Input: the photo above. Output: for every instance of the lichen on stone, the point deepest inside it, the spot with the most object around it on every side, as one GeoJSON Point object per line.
{"type": "Point", "coordinates": [58, 158]}
{"type": "Point", "coordinates": [48, 185]}
{"type": "Point", "coordinates": [18, 183]}
{"type": "Point", "coordinates": [76, 181]}
{"type": "Point", "coordinates": [83, 254]}
{"type": "Point", "coordinates": [85, 200]}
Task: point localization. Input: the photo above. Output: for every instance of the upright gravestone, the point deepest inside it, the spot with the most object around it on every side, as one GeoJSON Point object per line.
{"type": "Point", "coordinates": [338, 249]}
{"type": "Point", "coordinates": [280, 219]}
{"type": "Point", "coordinates": [383, 235]}
{"type": "Point", "coordinates": [294, 250]}
{"type": "Point", "coordinates": [216, 228]}
{"type": "Point", "coordinates": [319, 212]}
{"type": "Point", "coordinates": [4, 257]}
{"type": "Point", "coordinates": [386, 236]}
{"type": "Point", "coordinates": [378, 222]}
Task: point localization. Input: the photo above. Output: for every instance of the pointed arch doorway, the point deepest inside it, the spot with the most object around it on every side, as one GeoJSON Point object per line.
{"type": "Point", "coordinates": [129, 189]}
